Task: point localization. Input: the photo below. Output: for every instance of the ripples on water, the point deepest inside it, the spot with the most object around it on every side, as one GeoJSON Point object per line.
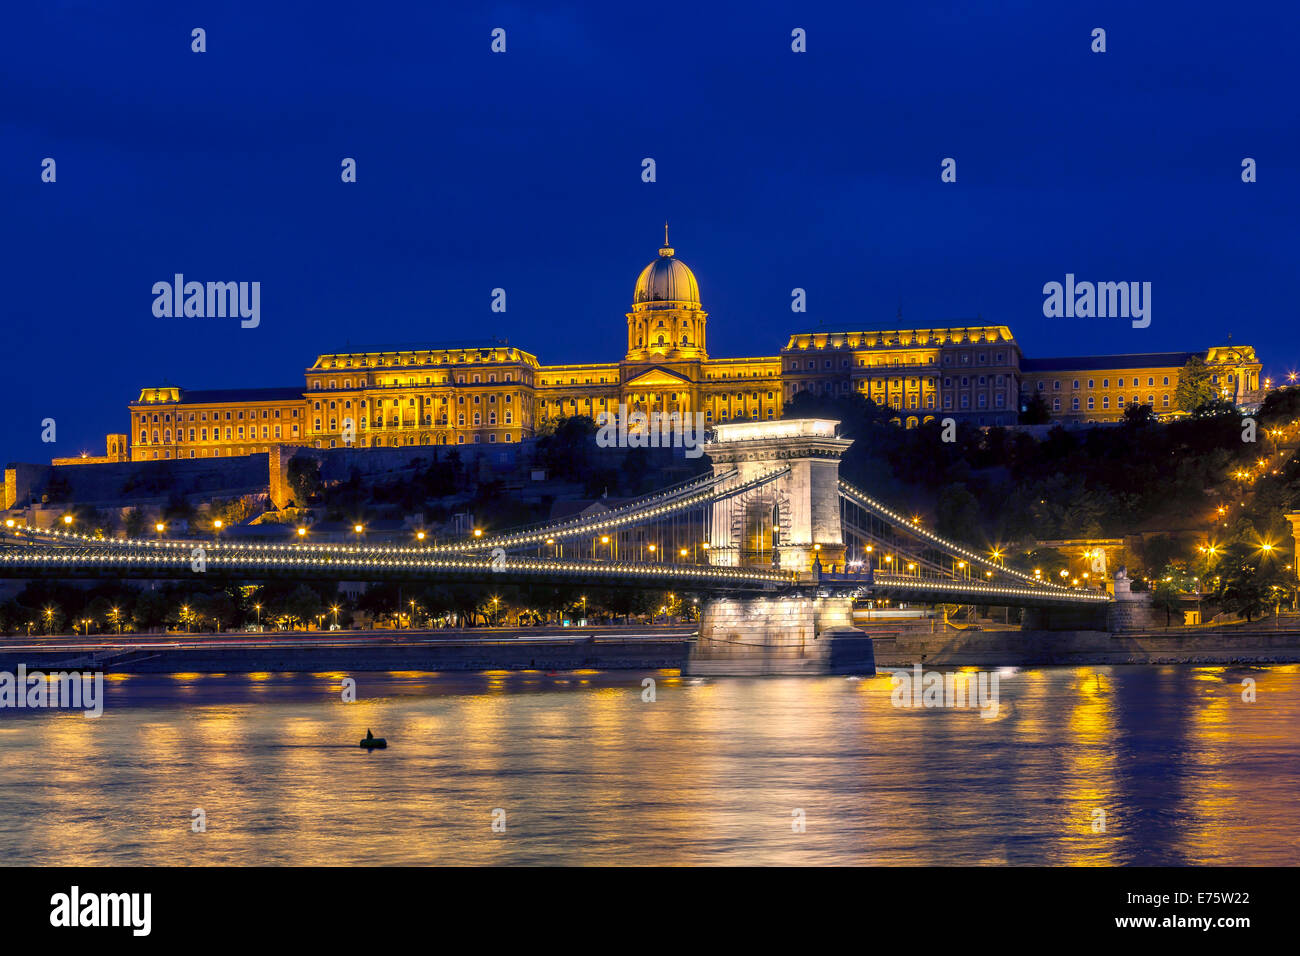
{"type": "Point", "coordinates": [711, 772]}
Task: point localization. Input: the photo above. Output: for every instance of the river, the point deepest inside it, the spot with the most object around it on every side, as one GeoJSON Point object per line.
{"type": "Point", "coordinates": [1099, 765]}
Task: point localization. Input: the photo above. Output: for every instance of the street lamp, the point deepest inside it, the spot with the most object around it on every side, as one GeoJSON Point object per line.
{"type": "Point", "coordinates": [335, 609]}
{"type": "Point", "coordinates": [302, 532]}
{"type": "Point", "coordinates": [258, 608]}
{"type": "Point", "coordinates": [160, 527]}
{"type": "Point", "coordinates": [67, 519]}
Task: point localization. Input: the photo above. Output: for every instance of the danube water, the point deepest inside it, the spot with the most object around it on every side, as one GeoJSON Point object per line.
{"type": "Point", "coordinates": [1104, 765]}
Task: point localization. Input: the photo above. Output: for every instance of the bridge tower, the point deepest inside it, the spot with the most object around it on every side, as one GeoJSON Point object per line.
{"type": "Point", "coordinates": [791, 522]}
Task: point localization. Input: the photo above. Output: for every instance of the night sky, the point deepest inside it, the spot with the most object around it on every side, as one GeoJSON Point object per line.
{"type": "Point", "coordinates": [523, 171]}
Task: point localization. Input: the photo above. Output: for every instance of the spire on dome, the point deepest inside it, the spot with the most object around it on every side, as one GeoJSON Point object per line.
{"type": "Point", "coordinates": [665, 250]}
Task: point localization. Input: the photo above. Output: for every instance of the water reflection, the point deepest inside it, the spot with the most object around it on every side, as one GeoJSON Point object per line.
{"type": "Point", "coordinates": [1138, 765]}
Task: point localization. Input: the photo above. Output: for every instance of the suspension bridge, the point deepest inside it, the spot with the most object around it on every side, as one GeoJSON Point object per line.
{"type": "Point", "coordinates": [778, 545]}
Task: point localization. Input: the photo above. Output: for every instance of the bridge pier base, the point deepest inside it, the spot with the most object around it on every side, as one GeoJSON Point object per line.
{"type": "Point", "coordinates": [791, 634]}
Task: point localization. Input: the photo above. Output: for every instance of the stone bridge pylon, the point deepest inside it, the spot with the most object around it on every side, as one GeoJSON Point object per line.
{"type": "Point", "coordinates": [791, 522]}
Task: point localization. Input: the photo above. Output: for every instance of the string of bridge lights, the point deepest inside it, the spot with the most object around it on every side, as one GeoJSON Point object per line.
{"type": "Point", "coordinates": [903, 582]}
{"type": "Point", "coordinates": [864, 500]}
{"type": "Point", "coordinates": [110, 559]}
{"type": "Point", "coordinates": [547, 534]}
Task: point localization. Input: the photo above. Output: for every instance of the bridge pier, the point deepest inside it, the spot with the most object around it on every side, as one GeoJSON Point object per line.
{"type": "Point", "coordinates": [783, 634]}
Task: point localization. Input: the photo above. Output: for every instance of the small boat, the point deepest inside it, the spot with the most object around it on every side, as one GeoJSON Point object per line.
{"type": "Point", "coordinates": [371, 742]}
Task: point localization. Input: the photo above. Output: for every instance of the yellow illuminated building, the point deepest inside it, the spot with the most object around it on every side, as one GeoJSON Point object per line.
{"type": "Point", "coordinates": [493, 393]}
{"type": "Point", "coordinates": [1098, 388]}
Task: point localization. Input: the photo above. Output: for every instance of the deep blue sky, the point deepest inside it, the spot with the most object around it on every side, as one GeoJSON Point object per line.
{"type": "Point", "coordinates": [522, 170]}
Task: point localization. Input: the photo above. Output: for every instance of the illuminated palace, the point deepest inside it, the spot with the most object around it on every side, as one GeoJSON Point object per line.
{"type": "Point", "coordinates": [498, 394]}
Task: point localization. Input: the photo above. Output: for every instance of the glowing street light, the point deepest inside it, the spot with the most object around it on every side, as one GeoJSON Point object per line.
{"type": "Point", "coordinates": [302, 532]}
{"type": "Point", "coordinates": [67, 519]}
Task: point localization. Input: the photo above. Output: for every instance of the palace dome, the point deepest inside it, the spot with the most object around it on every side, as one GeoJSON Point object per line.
{"type": "Point", "coordinates": [666, 283]}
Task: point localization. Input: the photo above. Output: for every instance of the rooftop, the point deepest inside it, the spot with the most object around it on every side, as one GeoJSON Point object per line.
{"type": "Point", "coordinates": [218, 396]}
{"type": "Point", "coordinates": [1100, 363]}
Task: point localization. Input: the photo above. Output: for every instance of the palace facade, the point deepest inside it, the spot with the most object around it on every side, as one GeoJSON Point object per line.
{"type": "Point", "coordinates": [494, 393]}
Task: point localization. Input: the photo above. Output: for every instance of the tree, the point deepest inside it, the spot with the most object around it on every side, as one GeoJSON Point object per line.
{"type": "Point", "coordinates": [1194, 387]}
{"type": "Point", "coordinates": [1136, 416]}
{"type": "Point", "coordinates": [1035, 410]}
{"type": "Point", "coordinates": [150, 610]}
{"type": "Point", "coordinates": [1248, 582]}
{"type": "Point", "coordinates": [133, 522]}
{"type": "Point", "coordinates": [1166, 597]}
{"type": "Point", "coordinates": [304, 478]}
{"type": "Point", "coordinates": [302, 605]}
{"type": "Point", "coordinates": [957, 512]}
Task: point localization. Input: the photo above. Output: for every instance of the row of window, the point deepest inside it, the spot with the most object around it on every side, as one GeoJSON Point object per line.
{"type": "Point", "coordinates": [202, 434]}
{"type": "Point", "coordinates": [216, 416]}
{"type": "Point", "coordinates": [1105, 402]}
{"type": "Point", "coordinates": [410, 402]}
{"type": "Point", "coordinates": [378, 441]}
{"type": "Point", "coordinates": [1105, 383]}
{"type": "Point", "coordinates": [508, 419]}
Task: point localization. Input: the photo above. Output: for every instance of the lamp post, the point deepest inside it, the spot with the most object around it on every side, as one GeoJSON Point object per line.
{"type": "Point", "coordinates": [258, 608]}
